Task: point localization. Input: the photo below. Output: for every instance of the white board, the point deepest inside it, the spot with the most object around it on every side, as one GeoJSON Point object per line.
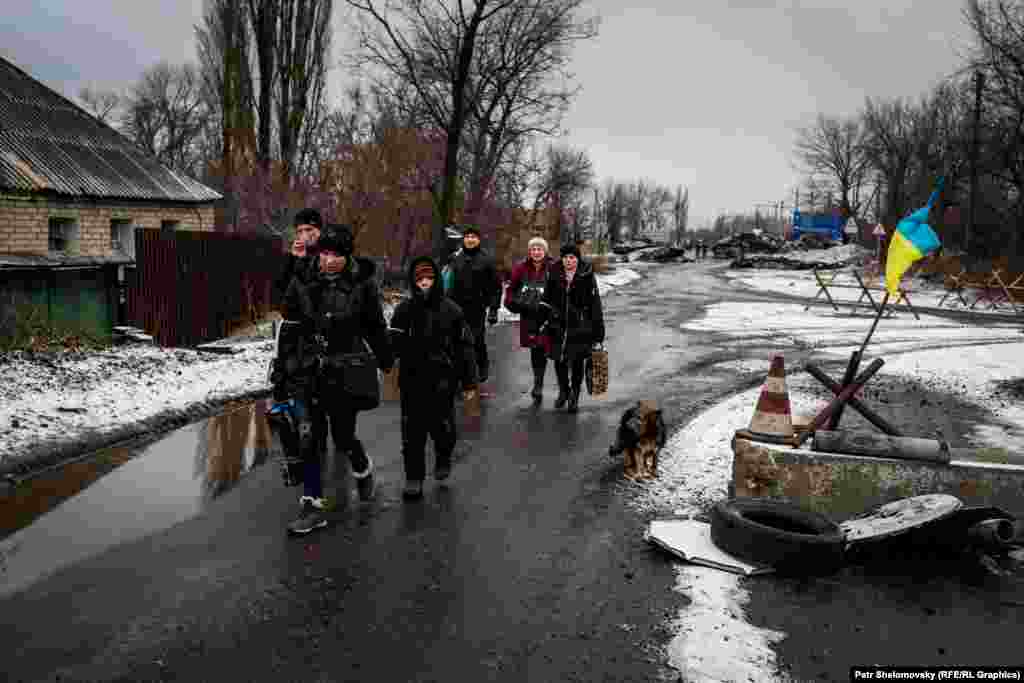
{"type": "Point", "coordinates": [690, 540]}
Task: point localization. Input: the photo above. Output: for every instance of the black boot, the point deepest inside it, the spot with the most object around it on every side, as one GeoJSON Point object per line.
{"type": "Point", "coordinates": [562, 373]}
{"type": "Point", "coordinates": [574, 400]}
{"type": "Point", "coordinates": [538, 385]}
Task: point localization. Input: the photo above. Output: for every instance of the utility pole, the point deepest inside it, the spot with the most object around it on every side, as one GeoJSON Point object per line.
{"type": "Point", "coordinates": [979, 84]}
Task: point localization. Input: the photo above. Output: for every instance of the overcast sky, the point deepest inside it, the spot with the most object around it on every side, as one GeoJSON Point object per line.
{"type": "Point", "coordinates": [706, 94]}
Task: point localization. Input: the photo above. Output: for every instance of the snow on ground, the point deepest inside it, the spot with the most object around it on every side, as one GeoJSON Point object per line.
{"type": "Point", "coordinates": [713, 641]}
{"type": "Point", "coordinates": [59, 395]}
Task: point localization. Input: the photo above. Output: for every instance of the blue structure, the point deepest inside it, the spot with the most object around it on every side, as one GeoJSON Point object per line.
{"type": "Point", "coordinates": [825, 225]}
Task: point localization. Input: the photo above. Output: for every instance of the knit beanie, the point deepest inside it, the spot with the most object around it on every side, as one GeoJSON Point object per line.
{"type": "Point", "coordinates": [570, 249]}
{"type": "Point", "coordinates": [423, 270]}
{"type": "Point", "coordinates": [467, 229]}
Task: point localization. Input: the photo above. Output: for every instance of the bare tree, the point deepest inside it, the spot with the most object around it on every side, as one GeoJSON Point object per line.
{"type": "Point", "coordinates": [680, 214]}
{"type": "Point", "coordinates": [302, 49]}
{"type": "Point", "coordinates": [431, 45]}
{"type": "Point", "coordinates": [263, 19]}
{"type": "Point", "coordinates": [103, 104]}
{"type": "Point", "coordinates": [833, 150]}
{"type": "Point", "coordinates": [998, 54]}
{"type": "Point", "coordinates": [164, 115]}
{"type": "Point", "coordinates": [223, 43]}
{"type": "Point", "coordinates": [567, 176]}
{"type": "Point", "coordinates": [890, 127]}
{"type": "Point", "coordinates": [519, 85]}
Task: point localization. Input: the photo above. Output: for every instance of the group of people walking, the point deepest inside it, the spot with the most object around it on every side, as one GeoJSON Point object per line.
{"type": "Point", "coordinates": [332, 312]}
{"type": "Point", "coordinates": [700, 250]}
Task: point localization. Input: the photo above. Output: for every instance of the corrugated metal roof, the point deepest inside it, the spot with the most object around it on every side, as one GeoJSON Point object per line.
{"type": "Point", "coordinates": [47, 143]}
{"type": "Point", "coordinates": [54, 260]}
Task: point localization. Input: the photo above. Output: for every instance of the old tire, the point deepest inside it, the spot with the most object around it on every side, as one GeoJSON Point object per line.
{"type": "Point", "coordinates": [779, 534]}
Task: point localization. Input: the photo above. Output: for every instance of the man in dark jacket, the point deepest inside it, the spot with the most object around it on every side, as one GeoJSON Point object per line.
{"type": "Point", "coordinates": [341, 314]}
{"type": "Point", "coordinates": [436, 357]}
{"type": "Point", "coordinates": [475, 288]}
{"type": "Point", "coordinates": [576, 322]}
{"type": "Point", "coordinates": [301, 263]}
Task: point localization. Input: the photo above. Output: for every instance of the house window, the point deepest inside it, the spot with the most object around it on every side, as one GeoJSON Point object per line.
{"type": "Point", "coordinates": [121, 235]}
{"type": "Point", "coordinates": [63, 234]}
{"type": "Point", "coordinates": [168, 228]}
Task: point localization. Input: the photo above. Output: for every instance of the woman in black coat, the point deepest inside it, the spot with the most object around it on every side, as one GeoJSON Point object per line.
{"type": "Point", "coordinates": [341, 314]}
{"type": "Point", "coordinates": [576, 322]}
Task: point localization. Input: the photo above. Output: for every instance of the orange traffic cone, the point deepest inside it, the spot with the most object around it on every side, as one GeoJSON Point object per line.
{"type": "Point", "coordinates": [772, 417]}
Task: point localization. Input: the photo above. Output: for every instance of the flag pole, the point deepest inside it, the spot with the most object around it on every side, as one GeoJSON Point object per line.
{"type": "Point", "coordinates": [881, 309]}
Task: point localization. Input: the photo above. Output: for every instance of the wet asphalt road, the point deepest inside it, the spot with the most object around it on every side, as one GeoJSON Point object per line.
{"type": "Point", "coordinates": [529, 566]}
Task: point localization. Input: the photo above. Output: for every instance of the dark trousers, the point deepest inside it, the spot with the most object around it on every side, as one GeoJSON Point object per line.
{"type": "Point", "coordinates": [539, 362]}
{"type": "Point", "coordinates": [562, 369]}
{"type": "Point", "coordinates": [426, 413]}
{"type": "Point", "coordinates": [476, 322]}
{"type": "Point", "coordinates": [316, 419]}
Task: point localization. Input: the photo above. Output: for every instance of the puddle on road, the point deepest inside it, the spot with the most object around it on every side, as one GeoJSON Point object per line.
{"type": "Point", "coordinates": [125, 493]}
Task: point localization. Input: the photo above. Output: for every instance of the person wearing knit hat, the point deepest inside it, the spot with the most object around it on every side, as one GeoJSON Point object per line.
{"type": "Point", "coordinates": [576, 322]}
{"type": "Point", "coordinates": [475, 288]}
{"type": "Point", "coordinates": [342, 315]}
{"type": "Point", "coordinates": [524, 296]}
{"type": "Point", "coordinates": [299, 265]}
{"type": "Point", "coordinates": [435, 352]}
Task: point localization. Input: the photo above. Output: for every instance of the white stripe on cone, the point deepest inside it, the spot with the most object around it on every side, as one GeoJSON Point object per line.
{"type": "Point", "coordinates": [775, 385]}
{"type": "Point", "coordinates": [772, 423]}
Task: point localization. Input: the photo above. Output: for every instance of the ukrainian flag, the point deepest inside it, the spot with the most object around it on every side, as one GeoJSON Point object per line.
{"type": "Point", "coordinates": [913, 240]}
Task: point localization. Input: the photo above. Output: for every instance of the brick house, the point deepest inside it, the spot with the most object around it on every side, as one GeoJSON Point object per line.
{"type": "Point", "coordinates": [72, 192]}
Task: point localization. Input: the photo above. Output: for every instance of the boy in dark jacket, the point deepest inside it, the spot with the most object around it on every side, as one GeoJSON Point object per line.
{"type": "Point", "coordinates": [434, 346]}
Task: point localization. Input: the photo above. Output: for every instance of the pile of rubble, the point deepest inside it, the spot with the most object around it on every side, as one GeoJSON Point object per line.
{"type": "Point", "coordinates": [663, 255]}
{"type": "Point", "coordinates": [795, 259]}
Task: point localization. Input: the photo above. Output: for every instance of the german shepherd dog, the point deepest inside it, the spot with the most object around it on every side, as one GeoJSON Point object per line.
{"type": "Point", "coordinates": [640, 437]}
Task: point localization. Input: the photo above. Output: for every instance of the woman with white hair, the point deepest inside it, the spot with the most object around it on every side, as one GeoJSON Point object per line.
{"type": "Point", "coordinates": [524, 296]}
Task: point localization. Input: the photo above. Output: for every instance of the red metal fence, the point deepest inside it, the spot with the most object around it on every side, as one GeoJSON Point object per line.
{"type": "Point", "coordinates": [191, 287]}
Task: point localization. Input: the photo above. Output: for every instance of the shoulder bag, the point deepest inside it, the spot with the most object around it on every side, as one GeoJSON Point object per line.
{"type": "Point", "coordinates": [355, 376]}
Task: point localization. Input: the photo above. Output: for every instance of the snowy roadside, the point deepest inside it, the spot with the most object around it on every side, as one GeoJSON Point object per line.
{"type": "Point", "coordinates": [57, 406]}
{"type": "Point", "coordinates": [714, 642]}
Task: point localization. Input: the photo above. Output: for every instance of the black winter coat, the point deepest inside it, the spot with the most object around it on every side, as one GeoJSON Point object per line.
{"type": "Point", "coordinates": [432, 341]}
{"type": "Point", "coordinates": [302, 267]}
{"type": "Point", "coordinates": [475, 284]}
{"type": "Point", "coordinates": [344, 311]}
{"type": "Point", "coordinates": [576, 320]}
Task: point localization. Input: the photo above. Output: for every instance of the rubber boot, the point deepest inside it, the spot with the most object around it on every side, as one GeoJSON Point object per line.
{"type": "Point", "coordinates": [538, 385]}
{"type": "Point", "coordinates": [563, 387]}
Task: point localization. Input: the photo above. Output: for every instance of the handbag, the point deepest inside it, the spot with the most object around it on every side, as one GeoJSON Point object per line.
{"type": "Point", "coordinates": [527, 299]}
{"type": "Point", "coordinates": [596, 371]}
{"type": "Point", "coordinates": [355, 376]}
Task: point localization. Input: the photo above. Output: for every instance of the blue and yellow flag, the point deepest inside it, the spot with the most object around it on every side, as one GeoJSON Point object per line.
{"type": "Point", "coordinates": [912, 240]}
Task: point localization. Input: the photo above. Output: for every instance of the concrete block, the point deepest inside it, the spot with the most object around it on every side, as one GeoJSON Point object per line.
{"type": "Point", "coordinates": [842, 486]}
